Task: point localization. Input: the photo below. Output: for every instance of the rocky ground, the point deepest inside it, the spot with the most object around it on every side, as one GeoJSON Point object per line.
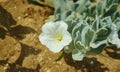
{"type": "Point", "coordinates": [21, 51]}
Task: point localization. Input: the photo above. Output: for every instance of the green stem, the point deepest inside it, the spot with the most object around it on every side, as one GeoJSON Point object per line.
{"type": "Point", "coordinates": [60, 56]}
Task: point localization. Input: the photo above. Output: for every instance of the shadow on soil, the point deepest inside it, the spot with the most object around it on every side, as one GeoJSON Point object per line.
{"type": "Point", "coordinates": [6, 21]}
{"type": "Point", "coordinates": [87, 65]}
{"type": "Point", "coordinates": [113, 52]}
{"type": "Point", "coordinates": [17, 66]}
{"type": "Point", "coordinates": [8, 27]}
{"type": "Point", "coordinates": [26, 51]}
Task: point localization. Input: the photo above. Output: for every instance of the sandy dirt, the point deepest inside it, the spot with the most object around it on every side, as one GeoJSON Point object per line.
{"type": "Point", "coordinates": [21, 51]}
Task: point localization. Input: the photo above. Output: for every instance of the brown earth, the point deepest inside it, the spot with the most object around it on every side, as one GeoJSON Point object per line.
{"type": "Point", "coordinates": [21, 51]}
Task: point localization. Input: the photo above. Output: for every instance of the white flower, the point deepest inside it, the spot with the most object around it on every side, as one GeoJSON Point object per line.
{"type": "Point", "coordinates": [55, 36]}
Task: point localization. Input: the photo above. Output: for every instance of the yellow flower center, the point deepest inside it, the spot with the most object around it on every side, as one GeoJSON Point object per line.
{"type": "Point", "coordinates": [59, 37]}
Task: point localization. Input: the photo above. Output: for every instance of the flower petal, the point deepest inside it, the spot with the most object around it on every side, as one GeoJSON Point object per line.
{"type": "Point", "coordinates": [55, 36]}
{"type": "Point", "coordinates": [48, 28]}
{"type": "Point", "coordinates": [60, 25]}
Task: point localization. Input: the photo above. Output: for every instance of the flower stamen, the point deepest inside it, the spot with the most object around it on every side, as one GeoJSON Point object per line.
{"type": "Point", "coordinates": [59, 37]}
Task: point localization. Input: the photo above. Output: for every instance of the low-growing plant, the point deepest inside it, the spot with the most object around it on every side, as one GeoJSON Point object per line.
{"type": "Point", "coordinates": [83, 27]}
